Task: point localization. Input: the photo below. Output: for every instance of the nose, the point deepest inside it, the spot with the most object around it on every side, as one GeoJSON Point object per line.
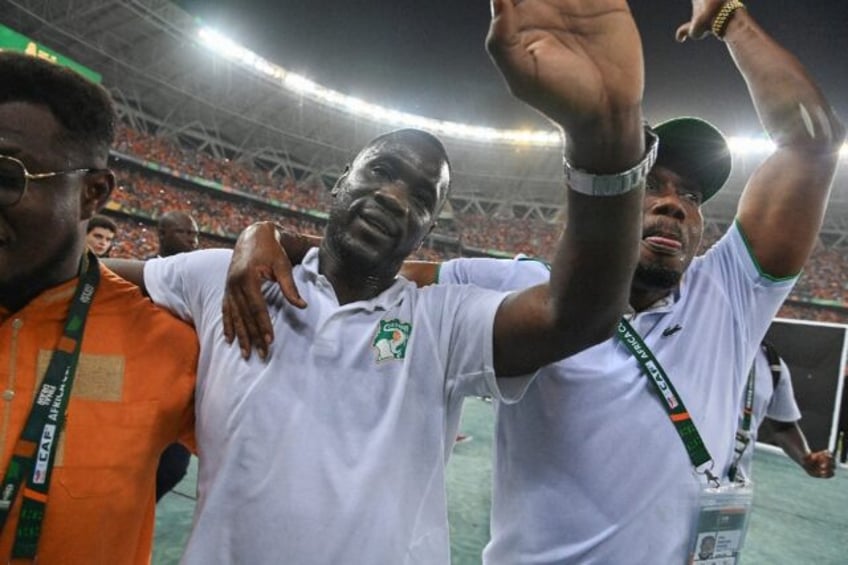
{"type": "Point", "coordinates": [392, 198]}
{"type": "Point", "coordinates": [669, 205]}
{"type": "Point", "coordinates": [665, 200]}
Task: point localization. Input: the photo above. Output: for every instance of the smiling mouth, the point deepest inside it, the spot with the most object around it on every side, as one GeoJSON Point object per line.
{"type": "Point", "coordinates": [377, 221]}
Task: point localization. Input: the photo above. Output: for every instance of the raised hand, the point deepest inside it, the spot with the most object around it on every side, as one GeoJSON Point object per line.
{"type": "Point", "coordinates": [703, 14]}
{"type": "Point", "coordinates": [576, 61]}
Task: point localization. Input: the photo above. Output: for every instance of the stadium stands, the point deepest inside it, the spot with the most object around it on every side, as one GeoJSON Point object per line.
{"type": "Point", "coordinates": [156, 175]}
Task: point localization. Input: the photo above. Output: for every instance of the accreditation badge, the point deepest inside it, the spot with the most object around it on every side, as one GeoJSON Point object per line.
{"type": "Point", "coordinates": [721, 525]}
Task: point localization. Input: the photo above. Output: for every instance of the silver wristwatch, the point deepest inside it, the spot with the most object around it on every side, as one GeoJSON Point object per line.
{"type": "Point", "coordinates": [618, 183]}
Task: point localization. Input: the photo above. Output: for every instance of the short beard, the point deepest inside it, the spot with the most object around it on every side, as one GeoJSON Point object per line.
{"type": "Point", "coordinates": [351, 254]}
{"type": "Point", "coordinates": [655, 277]}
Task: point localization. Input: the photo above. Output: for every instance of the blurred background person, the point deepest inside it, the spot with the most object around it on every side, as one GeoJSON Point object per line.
{"type": "Point", "coordinates": [177, 232]}
{"type": "Point", "coordinates": [100, 234]}
{"type": "Point", "coordinates": [769, 399]}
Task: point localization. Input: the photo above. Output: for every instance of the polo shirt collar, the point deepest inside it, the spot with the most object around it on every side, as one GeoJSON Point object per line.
{"type": "Point", "coordinates": [383, 301]}
{"type": "Point", "coordinates": [661, 306]}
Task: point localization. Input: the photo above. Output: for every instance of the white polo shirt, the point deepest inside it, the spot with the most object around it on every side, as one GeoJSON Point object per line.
{"type": "Point", "coordinates": [777, 403]}
{"type": "Point", "coordinates": [334, 451]}
{"type": "Point", "coordinates": [589, 470]}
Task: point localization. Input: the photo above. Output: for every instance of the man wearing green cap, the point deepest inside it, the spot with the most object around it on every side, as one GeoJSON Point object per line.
{"type": "Point", "coordinates": [598, 463]}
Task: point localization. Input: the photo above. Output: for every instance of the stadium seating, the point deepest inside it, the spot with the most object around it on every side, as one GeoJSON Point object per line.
{"type": "Point", "coordinates": [156, 175]}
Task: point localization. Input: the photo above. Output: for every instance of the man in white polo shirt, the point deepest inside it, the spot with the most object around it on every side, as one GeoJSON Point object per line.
{"type": "Point", "coordinates": [589, 467]}
{"type": "Point", "coordinates": [334, 450]}
{"type": "Point", "coordinates": [769, 399]}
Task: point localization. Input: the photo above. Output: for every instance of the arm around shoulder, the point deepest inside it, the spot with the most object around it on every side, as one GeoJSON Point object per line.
{"type": "Point", "coordinates": [131, 270]}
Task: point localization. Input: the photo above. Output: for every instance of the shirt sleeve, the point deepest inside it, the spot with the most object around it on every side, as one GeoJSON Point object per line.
{"type": "Point", "coordinates": [754, 297]}
{"type": "Point", "coordinates": [495, 274]}
{"type": "Point", "coordinates": [467, 338]}
{"type": "Point", "coordinates": [783, 406]}
{"type": "Point", "coordinates": [502, 275]}
{"type": "Point", "coordinates": [188, 284]}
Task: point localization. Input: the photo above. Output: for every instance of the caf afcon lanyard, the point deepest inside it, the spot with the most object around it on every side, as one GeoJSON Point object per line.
{"type": "Point", "coordinates": [35, 450]}
{"type": "Point", "coordinates": [652, 369]}
{"type": "Point", "coordinates": [743, 435]}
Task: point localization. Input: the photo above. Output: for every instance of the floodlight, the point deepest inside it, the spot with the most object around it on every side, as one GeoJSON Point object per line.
{"type": "Point", "coordinates": [229, 49]}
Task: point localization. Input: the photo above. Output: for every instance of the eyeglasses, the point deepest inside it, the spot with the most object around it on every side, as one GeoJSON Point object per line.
{"type": "Point", "coordinates": [14, 178]}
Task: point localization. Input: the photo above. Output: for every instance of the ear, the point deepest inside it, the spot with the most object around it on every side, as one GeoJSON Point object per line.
{"type": "Point", "coordinates": [423, 239]}
{"type": "Point", "coordinates": [95, 193]}
{"type": "Point", "coordinates": [432, 227]}
{"type": "Point", "coordinates": [337, 187]}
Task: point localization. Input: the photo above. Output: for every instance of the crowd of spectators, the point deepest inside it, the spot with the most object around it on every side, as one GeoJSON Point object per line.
{"type": "Point", "coordinates": [812, 312]}
{"type": "Point", "coordinates": [147, 194]}
{"type": "Point", "coordinates": [302, 195]}
{"type": "Point", "coordinates": [531, 237]}
{"type": "Point", "coordinates": [136, 239]}
{"type": "Point", "coordinates": [825, 277]}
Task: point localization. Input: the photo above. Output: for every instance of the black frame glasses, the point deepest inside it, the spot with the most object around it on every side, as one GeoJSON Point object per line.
{"type": "Point", "coordinates": [15, 178]}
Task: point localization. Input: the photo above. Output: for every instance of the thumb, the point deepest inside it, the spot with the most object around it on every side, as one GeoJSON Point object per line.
{"type": "Point", "coordinates": [501, 34]}
{"type": "Point", "coordinates": [282, 273]}
{"type": "Point", "coordinates": [682, 33]}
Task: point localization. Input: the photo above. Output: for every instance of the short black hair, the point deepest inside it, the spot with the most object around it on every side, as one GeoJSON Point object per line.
{"type": "Point", "coordinates": [406, 134]}
{"type": "Point", "coordinates": [84, 109]}
{"type": "Point", "coordinates": [101, 221]}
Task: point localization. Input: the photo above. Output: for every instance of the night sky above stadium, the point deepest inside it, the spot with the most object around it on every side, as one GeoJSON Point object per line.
{"type": "Point", "coordinates": [428, 58]}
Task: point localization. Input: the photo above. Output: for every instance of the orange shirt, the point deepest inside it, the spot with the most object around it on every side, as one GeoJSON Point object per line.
{"type": "Point", "coordinates": [132, 396]}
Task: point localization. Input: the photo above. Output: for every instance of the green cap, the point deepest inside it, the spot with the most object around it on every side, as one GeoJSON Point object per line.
{"type": "Point", "coordinates": [695, 149]}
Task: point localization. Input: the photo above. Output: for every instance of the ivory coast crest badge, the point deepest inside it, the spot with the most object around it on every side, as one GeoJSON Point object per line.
{"type": "Point", "coordinates": [391, 339]}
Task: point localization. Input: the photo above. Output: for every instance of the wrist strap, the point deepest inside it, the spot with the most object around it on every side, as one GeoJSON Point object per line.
{"type": "Point", "coordinates": [615, 184]}
{"type": "Point", "coordinates": [722, 19]}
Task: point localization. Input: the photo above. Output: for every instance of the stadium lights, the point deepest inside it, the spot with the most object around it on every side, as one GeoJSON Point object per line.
{"type": "Point", "coordinates": [301, 85]}
{"type": "Point", "coordinates": [229, 49]}
{"type": "Point", "coordinates": [750, 145]}
{"type": "Point", "coordinates": [762, 145]}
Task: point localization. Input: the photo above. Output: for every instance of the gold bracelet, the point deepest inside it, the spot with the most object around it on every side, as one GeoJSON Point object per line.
{"type": "Point", "coordinates": [722, 19]}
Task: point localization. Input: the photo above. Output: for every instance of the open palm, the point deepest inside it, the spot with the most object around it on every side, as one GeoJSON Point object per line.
{"type": "Point", "coordinates": [573, 60]}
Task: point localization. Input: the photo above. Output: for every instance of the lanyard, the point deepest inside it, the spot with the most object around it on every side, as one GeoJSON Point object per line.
{"type": "Point", "coordinates": [677, 413]}
{"type": "Point", "coordinates": [743, 435]}
{"type": "Point", "coordinates": [35, 450]}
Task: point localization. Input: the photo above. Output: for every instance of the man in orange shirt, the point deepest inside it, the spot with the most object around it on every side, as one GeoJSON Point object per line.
{"type": "Point", "coordinates": [94, 380]}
